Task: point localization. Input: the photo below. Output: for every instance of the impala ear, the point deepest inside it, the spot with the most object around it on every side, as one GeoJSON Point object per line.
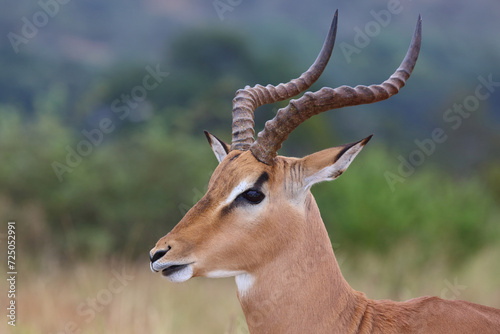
{"type": "Point", "coordinates": [220, 148]}
{"type": "Point", "coordinates": [329, 164]}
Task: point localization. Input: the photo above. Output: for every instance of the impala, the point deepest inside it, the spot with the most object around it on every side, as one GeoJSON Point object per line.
{"type": "Point", "coordinates": [259, 222]}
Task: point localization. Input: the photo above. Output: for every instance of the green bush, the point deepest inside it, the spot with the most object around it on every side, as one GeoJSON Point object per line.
{"type": "Point", "coordinates": [430, 211]}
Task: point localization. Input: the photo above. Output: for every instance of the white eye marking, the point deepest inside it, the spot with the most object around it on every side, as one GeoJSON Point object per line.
{"type": "Point", "coordinates": [244, 283]}
{"type": "Point", "coordinates": [244, 185]}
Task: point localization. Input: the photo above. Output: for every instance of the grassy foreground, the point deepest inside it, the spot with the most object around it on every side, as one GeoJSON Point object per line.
{"type": "Point", "coordinates": [127, 298]}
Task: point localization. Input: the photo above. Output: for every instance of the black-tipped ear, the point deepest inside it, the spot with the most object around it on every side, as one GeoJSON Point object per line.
{"type": "Point", "coordinates": [329, 164]}
{"type": "Point", "coordinates": [220, 148]}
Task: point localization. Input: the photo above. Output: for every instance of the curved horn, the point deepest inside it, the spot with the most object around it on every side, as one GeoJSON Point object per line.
{"type": "Point", "coordinates": [276, 131]}
{"type": "Point", "coordinates": [250, 98]}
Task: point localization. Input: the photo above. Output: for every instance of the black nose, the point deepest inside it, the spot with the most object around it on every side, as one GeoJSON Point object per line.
{"type": "Point", "coordinates": [158, 254]}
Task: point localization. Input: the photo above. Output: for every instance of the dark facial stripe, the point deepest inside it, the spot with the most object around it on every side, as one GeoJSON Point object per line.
{"type": "Point", "coordinates": [263, 178]}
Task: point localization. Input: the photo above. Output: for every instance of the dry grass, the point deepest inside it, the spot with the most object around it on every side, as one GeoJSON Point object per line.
{"type": "Point", "coordinates": [89, 299]}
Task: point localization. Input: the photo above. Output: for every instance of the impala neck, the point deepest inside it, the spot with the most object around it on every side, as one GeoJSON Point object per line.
{"type": "Point", "coordinates": [302, 290]}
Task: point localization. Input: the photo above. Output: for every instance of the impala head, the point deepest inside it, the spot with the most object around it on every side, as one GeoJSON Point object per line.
{"type": "Point", "coordinates": [256, 201]}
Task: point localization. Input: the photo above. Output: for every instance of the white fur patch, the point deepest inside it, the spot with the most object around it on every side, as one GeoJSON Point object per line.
{"type": "Point", "coordinates": [181, 275]}
{"type": "Point", "coordinates": [244, 282]}
{"type": "Point", "coordinates": [224, 273]}
{"type": "Point", "coordinates": [244, 185]}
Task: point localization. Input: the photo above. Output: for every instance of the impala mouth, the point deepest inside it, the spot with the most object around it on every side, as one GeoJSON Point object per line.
{"type": "Point", "coordinates": [173, 269]}
{"type": "Point", "coordinates": [174, 272]}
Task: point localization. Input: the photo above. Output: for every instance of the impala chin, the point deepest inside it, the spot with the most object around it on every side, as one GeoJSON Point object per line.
{"type": "Point", "coordinates": [174, 272]}
{"type": "Point", "coordinates": [178, 274]}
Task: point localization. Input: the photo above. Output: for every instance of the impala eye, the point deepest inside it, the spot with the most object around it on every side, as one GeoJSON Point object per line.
{"type": "Point", "coordinates": [253, 196]}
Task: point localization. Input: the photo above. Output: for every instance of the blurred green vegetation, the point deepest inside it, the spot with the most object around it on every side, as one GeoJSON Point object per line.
{"type": "Point", "coordinates": [431, 214]}
{"type": "Point", "coordinates": [127, 193]}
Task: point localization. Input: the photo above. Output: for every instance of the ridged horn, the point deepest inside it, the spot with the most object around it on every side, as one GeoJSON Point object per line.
{"type": "Point", "coordinates": [276, 131]}
{"type": "Point", "coordinates": [247, 100]}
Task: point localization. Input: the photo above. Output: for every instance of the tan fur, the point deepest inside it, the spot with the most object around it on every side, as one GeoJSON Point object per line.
{"type": "Point", "coordinates": [283, 244]}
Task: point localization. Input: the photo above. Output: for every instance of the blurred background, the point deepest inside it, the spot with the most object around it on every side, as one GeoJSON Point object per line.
{"type": "Point", "coordinates": [102, 112]}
